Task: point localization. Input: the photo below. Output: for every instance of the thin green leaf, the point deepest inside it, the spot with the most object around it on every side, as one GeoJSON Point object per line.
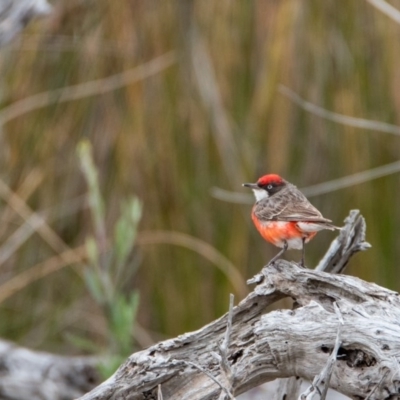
{"type": "Point", "coordinates": [94, 285]}
{"type": "Point", "coordinates": [126, 232]}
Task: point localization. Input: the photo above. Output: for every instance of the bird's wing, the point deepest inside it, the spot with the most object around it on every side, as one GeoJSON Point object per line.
{"type": "Point", "coordinates": [300, 210]}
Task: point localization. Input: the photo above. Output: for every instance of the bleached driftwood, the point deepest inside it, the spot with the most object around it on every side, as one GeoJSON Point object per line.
{"type": "Point", "coordinates": [350, 240]}
{"type": "Point", "coordinates": [15, 14]}
{"type": "Point", "coordinates": [281, 343]}
{"type": "Point", "coordinates": [361, 318]}
{"type": "Point", "coordinates": [27, 374]}
{"type": "Point", "coordinates": [260, 347]}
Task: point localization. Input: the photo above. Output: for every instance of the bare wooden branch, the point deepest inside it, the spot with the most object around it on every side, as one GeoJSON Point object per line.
{"type": "Point", "coordinates": [319, 188]}
{"type": "Point", "coordinates": [281, 343]}
{"type": "Point", "coordinates": [86, 89]}
{"type": "Point", "coordinates": [26, 374]}
{"type": "Point", "coordinates": [387, 9]}
{"type": "Point", "coordinates": [351, 240]}
{"type": "Point", "coordinates": [15, 14]}
{"type": "Point", "coordinates": [247, 347]}
{"type": "Point", "coordinates": [325, 376]}
{"type": "Point", "coordinates": [224, 391]}
{"type": "Point", "coordinates": [340, 118]}
{"type": "Point", "coordinates": [159, 394]}
{"type": "Point", "coordinates": [226, 369]}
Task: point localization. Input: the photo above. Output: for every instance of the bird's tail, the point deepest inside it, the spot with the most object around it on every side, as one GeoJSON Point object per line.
{"type": "Point", "coordinates": [315, 226]}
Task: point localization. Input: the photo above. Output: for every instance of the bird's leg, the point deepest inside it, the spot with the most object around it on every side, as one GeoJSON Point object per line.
{"type": "Point", "coordinates": [303, 255]}
{"type": "Point", "coordinates": [285, 247]}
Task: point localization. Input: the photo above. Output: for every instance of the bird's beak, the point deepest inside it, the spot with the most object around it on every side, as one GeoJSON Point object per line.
{"type": "Point", "coordinates": [251, 185]}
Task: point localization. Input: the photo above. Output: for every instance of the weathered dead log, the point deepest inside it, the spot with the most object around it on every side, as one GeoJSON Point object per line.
{"type": "Point", "coordinates": [350, 240]}
{"type": "Point", "coordinates": [15, 14]}
{"type": "Point", "coordinates": [281, 343]}
{"type": "Point", "coordinates": [261, 346]}
{"type": "Point", "coordinates": [27, 374]}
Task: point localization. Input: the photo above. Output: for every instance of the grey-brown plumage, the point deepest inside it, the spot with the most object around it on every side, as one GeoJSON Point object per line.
{"type": "Point", "coordinates": [289, 204]}
{"type": "Point", "coordinates": [283, 215]}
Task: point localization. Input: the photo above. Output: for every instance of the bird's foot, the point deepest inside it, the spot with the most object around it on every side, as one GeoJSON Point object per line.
{"type": "Point", "coordinates": [272, 262]}
{"type": "Point", "coordinates": [269, 264]}
{"type": "Point", "coordinates": [276, 258]}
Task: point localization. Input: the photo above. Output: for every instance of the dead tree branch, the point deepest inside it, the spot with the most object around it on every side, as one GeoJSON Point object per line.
{"type": "Point", "coordinates": [302, 342]}
{"type": "Point", "coordinates": [350, 240]}
{"type": "Point", "coordinates": [256, 347]}
{"type": "Point", "coordinates": [28, 374]}
{"type": "Point", "coordinates": [281, 343]}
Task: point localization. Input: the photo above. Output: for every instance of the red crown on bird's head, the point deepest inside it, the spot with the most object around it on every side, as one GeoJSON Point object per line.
{"type": "Point", "coordinates": [270, 179]}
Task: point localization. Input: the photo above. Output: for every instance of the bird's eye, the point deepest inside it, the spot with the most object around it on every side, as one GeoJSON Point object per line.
{"type": "Point", "coordinates": [269, 187]}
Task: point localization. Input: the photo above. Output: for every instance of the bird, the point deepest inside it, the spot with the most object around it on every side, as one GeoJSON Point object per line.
{"type": "Point", "coordinates": [284, 216]}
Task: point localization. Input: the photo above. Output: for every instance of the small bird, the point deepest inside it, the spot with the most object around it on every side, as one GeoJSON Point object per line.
{"type": "Point", "coordinates": [284, 216]}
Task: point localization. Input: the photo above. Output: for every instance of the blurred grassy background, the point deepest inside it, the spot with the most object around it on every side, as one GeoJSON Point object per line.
{"type": "Point", "coordinates": [208, 113]}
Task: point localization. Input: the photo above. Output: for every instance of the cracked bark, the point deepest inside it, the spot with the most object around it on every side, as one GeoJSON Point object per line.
{"type": "Point", "coordinates": [282, 343]}
{"type": "Point", "coordinates": [262, 345]}
{"type": "Point", "coordinates": [350, 240]}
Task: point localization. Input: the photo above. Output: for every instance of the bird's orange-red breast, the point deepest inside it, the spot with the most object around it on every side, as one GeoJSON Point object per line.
{"type": "Point", "coordinates": [276, 232]}
{"type": "Point", "coordinates": [283, 215]}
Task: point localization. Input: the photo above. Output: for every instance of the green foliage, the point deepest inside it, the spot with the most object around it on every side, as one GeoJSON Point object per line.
{"type": "Point", "coordinates": [107, 267]}
{"type": "Point", "coordinates": [95, 200]}
{"type": "Point", "coordinates": [122, 320]}
{"type": "Point", "coordinates": [125, 232]}
{"type": "Point", "coordinates": [166, 139]}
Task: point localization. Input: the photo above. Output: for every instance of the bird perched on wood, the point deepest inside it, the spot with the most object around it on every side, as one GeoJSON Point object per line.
{"type": "Point", "coordinates": [284, 216]}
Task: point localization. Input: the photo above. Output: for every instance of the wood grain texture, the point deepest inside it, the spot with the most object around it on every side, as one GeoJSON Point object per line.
{"type": "Point", "coordinates": [253, 361]}
{"type": "Point", "coordinates": [280, 343]}
{"type": "Point", "coordinates": [262, 346]}
{"type": "Point", "coordinates": [350, 241]}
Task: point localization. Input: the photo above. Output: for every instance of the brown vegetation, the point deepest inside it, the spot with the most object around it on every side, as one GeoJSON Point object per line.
{"type": "Point", "coordinates": [208, 113]}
